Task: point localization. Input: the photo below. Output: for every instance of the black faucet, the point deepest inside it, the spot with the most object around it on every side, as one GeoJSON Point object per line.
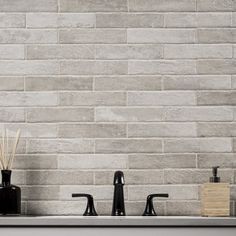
{"type": "Point", "coordinates": [118, 207]}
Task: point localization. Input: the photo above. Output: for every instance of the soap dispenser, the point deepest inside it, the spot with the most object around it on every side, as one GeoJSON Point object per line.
{"type": "Point", "coordinates": [215, 196]}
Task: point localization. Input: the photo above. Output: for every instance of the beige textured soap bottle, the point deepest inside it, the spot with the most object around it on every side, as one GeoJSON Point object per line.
{"type": "Point", "coordinates": [215, 197]}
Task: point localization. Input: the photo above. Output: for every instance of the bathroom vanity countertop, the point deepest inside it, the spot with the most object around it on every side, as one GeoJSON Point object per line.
{"type": "Point", "coordinates": [108, 221]}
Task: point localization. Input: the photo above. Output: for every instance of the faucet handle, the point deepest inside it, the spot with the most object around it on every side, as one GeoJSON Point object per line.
{"type": "Point", "coordinates": [149, 209]}
{"type": "Point", "coordinates": [90, 209]}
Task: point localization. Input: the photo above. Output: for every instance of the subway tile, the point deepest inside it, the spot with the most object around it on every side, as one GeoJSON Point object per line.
{"type": "Point", "coordinates": [215, 5]}
{"type": "Point", "coordinates": [192, 145]}
{"type": "Point", "coordinates": [234, 144]}
{"type": "Point", "coordinates": [193, 176]}
{"type": "Point", "coordinates": [18, 36]}
{"type": "Point", "coordinates": [37, 146]}
{"type": "Point", "coordinates": [35, 161]}
{"type": "Point", "coordinates": [129, 114]}
{"type": "Point", "coordinates": [197, 82]}
{"type": "Point", "coordinates": [92, 99]}
{"type": "Point", "coordinates": [128, 145]}
{"type": "Point", "coordinates": [12, 114]}
{"type": "Point", "coordinates": [28, 6]}
{"type": "Point", "coordinates": [179, 208]}
{"type": "Point", "coordinates": [50, 83]}
{"type": "Point", "coordinates": [162, 67]}
{"type": "Point", "coordinates": [134, 51]}
{"type": "Point", "coordinates": [209, 113]}
{"type": "Point", "coordinates": [162, 98]}
{"type": "Point", "coordinates": [27, 99]}
{"type": "Point", "coordinates": [222, 35]}
{"type": "Point", "coordinates": [220, 66]}
{"type": "Point", "coordinates": [42, 52]}
{"type": "Point", "coordinates": [93, 5]}
{"type": "Point", "coordinates": [162, 130]}
{"type": "Point", "coordinates": [18, 177]}
{"type": "Point", "coordinates": [60, 20]}
{"type": "Point", "coordinates": [92, 130]}
{"type": "Point", "coordinates": [195, 51]}
{"type": "Point", "coordinates": [161, 35]}
{"type": "Point", "coordinates": [11, 83]}
{"type": "Point", "coordinates": [59, 114]}
{"type": "Point", "coordinates": [58, 177]}
{"type": "Point", "coordinates": [211, 129]}
{"type": "Point", "coordinates": [162, 161]}
{"type": "Point", "coordinates": [133, 177]}
{"type": "Point", "coordinates": [105, 83]}
{"type": "Point", "coordinates": [216, 98]}
{"type": "Point", "coordinates": [12, 20]}
{"type": "Point", "coordinates": [233, 82]}
{"type": "Point", "coordinates": [176, 192]}
{"type": "Point", "coordinates": [94, 67]}
{"type": "Point", "coordinates": [92, 161]}
{"type": "Point", "coordinates": [234, 19]}
{"type": "Point", "coordinates": [25, 67]}
{"type": "Point", "coordinates": [129, 20]}
{"type": "Point", "coordinates": [224, 160]}
{"type": "Point", "coordinates": [92, 36]}
{"type": "Point", "coordinates": [162, 5]}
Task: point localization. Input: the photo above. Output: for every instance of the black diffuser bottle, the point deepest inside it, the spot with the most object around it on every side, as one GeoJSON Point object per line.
{"type": "Point", "coordinates": [10, 195]}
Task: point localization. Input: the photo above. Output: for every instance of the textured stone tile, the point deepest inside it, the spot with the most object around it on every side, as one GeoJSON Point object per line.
{"type": "Point", "coordinates": [36, 146]}
{"type": "Point", "coordinates": [199, 114]}
{"type": "Point", "coordinates": [11, 83]}
{"type": "Point", "coordinates": [196, 82]}
{"type": "Point", "coordinates": [234, 144]}
{"type": "Point", "coordinates": [162, 98]}
{"type": "Point", "coordinates": [178, 192]}
{"type": "Point", "coordinates": [216, 98]}
{"type": "Point", "coordinates": [216, 35]}
{"type": "Point", "coordinates": [42, 52]}
{"type": "Point", "coordinates": [47, 83]}
{"type": "Point", "coordinates": [234, 19]}
{"type": "Point", "coordinates": [92, 130]}
{"type": "Point", "coordinates": [94, 67]}
{"type": "Point", "coordinates": [92, 36]}
{"type": "Point", "coordinates": [36, 161]}
{"type": "Point", "coordinates": [28, 6]}
{"type": "Point", "coordinates": [129, 20]}
{"type": "Point", "coordinates": [92, 161]}
{"type": "Point", "coordinates": [160, 161]}
{"type": "Point", "coordinates": [128, 145]}
{"type": "Point", "coordinates": [12, 20]}
{"type": "Point", "coordinates": [57, 177]}
{"type": "Point", "coordinates": [59, 114]}
{"type": "Point", "coordinates": [129, 114]}
{"type": "Point", "coordinates": [193, 176]}
{"type": "Point", "coordinates": [215, 5]}
{"type": "Point", "coordinates": [92, 6]}
{"type": "Point", "coordinates": [40, 192]}
{"type": "Point", "coordinates": [18, 36]}
{"type": "Point", "coordinates": [105, 83]}
{"type": "Point", "coordinates": [162, 5]}
{"type": "Point", "coordinates": [198, 145]}
{"type": "Point", "coordinates": [210, 129]}
{"type": "Point", "coordinates": [12, 115]}
{"type": "Point", "coordinates": [187, 208]}
{"type": "Point", "coordinates": [233, 82]}
{"type": "Point", "coordinates": [25, 67]}
{"type": "Point", "coordinates": [134, 51]}
{"type": "Point", "coordinates": [131, 177]}
{"type": "Point", "coordinates": [195, 51]}
{"type": "Point", "coordinates": [161, 35]}
{"type": "Point", "coordinates": [18, 177]}
{"type": "Point", "coordinates": [162, 130]}
{"type": "Point", "coordinates": [60, 20]}
{"type": "Point", "coordinates": [27, 99]}
{"type": "Point", "coordinates": [92, 99]}
{"type": "Point", "coordinates": [224, 160]}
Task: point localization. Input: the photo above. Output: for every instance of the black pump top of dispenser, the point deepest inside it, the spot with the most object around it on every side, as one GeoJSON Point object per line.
{"type": "Point", "coordinates": [215, 178]}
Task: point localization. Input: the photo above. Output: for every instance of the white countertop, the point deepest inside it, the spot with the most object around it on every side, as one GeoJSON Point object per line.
{"type": "Point", "coordinates": [93, 221]}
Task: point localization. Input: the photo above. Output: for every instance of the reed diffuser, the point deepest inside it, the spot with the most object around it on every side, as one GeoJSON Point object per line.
{"type": "Point", "coordinates": [10, 195]}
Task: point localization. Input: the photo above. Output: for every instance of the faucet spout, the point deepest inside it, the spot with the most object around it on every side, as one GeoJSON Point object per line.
{"type": "Point", "coordinates": [118, 207]}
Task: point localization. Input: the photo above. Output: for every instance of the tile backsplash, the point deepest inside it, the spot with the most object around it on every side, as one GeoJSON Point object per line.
{"type": "Point", "coordinates": [145, 86]}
